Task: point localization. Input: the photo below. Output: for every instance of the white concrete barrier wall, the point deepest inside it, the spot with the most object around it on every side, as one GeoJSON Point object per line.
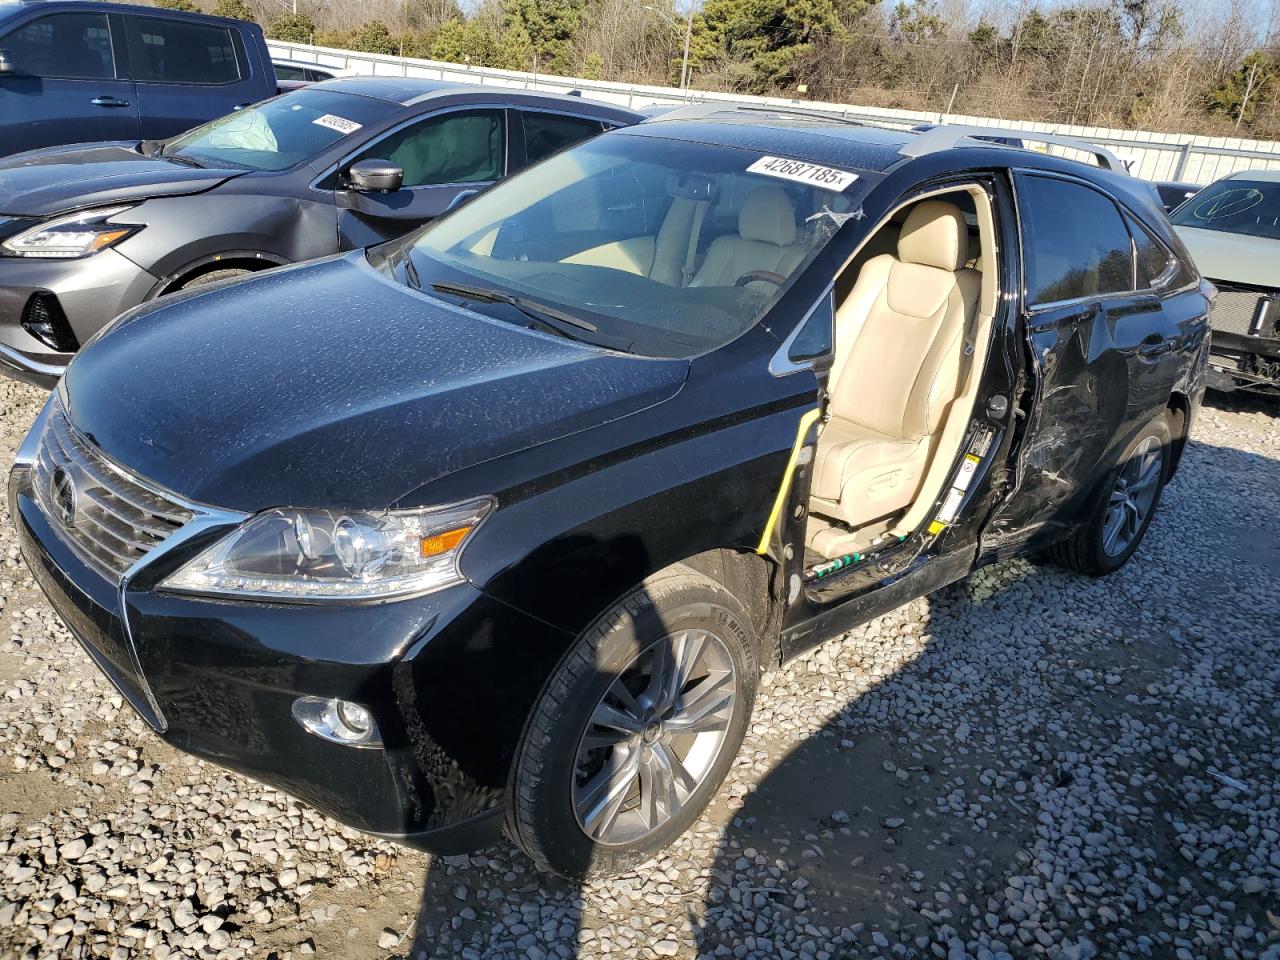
{"type": "Point", "coordinates": [1154, 156]}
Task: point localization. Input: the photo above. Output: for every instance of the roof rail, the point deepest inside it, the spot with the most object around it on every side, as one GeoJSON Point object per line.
{"type": "Point", "coordinates": [946, 136]}
{"type": "Point", "coordinates": [708, 108]}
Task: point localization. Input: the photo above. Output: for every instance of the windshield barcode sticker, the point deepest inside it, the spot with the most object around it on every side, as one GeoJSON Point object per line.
{"type": "Point", "coordinates": [825, 178]}
{"type": "Point", "coordinates": [341, 124]}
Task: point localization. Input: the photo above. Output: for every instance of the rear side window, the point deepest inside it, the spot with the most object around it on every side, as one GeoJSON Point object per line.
{"type": "Point", "coordinates": [72, 46]}
{"type": "Point", "coordinates": [548, 133]}
{"type": "Point", "coordinates": [284, 72]}
{"type": "Point", "coordinates": [175, 52]}
{"type": "Point", "coordinates": [1155, 262]}
{"type": "Point", "coordinates": [464, 147]}
{"type": "Point", "coordinates": [1074, 242]}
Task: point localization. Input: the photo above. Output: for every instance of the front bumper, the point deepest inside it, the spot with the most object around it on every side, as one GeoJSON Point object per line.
{"type": "Point", "coordinates": [89, 293]}
{"type": "Point", "coordinates": [449, 678]}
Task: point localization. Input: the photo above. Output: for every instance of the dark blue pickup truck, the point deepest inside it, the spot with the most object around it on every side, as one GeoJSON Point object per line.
{"type": "Point", "coordinates": [74, 71]}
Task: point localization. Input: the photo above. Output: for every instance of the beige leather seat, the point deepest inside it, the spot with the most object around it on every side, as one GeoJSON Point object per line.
{"type": "Point", "coordinates": [899, 354]}
{"type": "Point", "coordinates": [766, 240]}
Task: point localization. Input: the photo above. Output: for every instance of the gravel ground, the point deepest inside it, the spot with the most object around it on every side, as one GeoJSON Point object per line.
{"type": "Point", "coordinates": [1027, 764]}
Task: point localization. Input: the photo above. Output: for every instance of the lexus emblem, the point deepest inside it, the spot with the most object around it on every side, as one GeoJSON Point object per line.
{"type": "Point", "coordinates": [62, 494]}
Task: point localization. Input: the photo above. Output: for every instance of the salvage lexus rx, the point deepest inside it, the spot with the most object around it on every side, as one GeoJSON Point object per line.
{"type": "Point", "coordinates": [498, 525]}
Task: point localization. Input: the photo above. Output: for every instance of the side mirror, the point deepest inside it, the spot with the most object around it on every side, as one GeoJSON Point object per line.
{"type": "Point", "coordinates": [375, 176]}
{"type": "Point", "coordinates": [6, 62]}
{"type": "Point", "coordinates": [460, 199]}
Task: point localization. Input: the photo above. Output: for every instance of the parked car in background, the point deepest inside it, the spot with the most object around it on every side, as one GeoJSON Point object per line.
{"type": "Point", "coordinates": [1174, 194]}
{"type": "Point", "coordinates": [294, 74]}
{"type": "Point", "coordinates": [1232, 229]}
{"type": "Point", "coordinates": [502, 522]}
{"type": "Point", "coordinates": [74, 72]}
{"type": "Point", "coordinates": [93, 230]}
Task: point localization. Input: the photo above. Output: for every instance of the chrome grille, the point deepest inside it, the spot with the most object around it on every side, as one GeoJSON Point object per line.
{"type": "Point", "coordinates": [1233, 311]}
{"type": "Point", "coordinates": [109, 518]}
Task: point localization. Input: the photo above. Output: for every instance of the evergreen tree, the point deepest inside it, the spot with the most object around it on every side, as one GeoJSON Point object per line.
{"type": "Point", "coordinates": [236, 9]}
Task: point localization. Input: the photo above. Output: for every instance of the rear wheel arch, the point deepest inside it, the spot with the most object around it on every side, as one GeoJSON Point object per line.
{"type": "Point", "coordinates": [1178, 414]}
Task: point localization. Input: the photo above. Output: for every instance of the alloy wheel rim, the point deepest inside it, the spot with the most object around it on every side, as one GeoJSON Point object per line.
{"type": "Point", "coordinates": [1132, 497]}
{"type": "Point", "coordinates": [654, 737]}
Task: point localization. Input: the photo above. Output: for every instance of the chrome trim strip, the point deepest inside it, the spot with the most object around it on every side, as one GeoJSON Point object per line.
{"type": "Point", "coordinates": [29, 449]}
{"type": "Point", "coordinates": [22, 362]}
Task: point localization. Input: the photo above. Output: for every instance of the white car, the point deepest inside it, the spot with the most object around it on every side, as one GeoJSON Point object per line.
{"type": "Point", "coordinates": [1232, 229]}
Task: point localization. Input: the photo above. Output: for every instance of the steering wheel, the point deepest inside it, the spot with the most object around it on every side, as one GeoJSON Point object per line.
{"type": "Point", "coordinates": [768, 276]}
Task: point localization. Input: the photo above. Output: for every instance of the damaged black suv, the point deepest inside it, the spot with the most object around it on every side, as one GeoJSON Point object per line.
{"type": "Point", "coordinates": [498, 525]}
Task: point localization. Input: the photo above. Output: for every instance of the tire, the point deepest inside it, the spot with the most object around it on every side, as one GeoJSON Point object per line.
{"type": "Point", "coordinates": [674, 613]}
{"type": "Point", "coordinates": [214, 276]}
{"type": "Point", "coordinates": [1092, 549]}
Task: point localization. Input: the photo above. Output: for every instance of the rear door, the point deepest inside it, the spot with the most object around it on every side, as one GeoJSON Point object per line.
{"type": "Point", "coordinates": [1099, 349]}
{"type": "Point", "coordinates": [69, 82]}
{"type": "Point", "coordinates": [186, 73]}
{"type": "Point", "coordinates": [442, 156]}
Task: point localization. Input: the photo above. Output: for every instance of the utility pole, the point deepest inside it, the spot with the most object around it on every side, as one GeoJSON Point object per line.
{"type": "Point", "coordinates": [688, 36]}
{"type": "Point", "coordinates": [1248, 91]}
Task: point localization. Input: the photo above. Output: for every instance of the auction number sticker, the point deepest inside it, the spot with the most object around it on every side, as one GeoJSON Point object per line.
{"type": "Point", "coordinates": [341, 124]}
{"type": "Point", "coordinates": [826, 178]}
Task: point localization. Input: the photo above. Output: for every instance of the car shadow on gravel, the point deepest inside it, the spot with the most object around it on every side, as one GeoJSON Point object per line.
{"type": "Point", "coordinates": [940, 802]}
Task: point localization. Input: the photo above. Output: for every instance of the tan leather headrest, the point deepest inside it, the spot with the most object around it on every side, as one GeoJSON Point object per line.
{"type": "Point", "coordinates": [935, 235]}
{"type": "Point", "coordinates": [769, 216]}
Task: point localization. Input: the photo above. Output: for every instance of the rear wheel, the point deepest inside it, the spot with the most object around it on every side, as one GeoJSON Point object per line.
{"type": "Point", "coordinates": [636, 729]}
{"type": "Point", "coordinates": [1124, 511]}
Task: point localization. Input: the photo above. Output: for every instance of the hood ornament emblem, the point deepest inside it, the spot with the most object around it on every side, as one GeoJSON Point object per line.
{"type": "Point", "coordinates": [62, 495]}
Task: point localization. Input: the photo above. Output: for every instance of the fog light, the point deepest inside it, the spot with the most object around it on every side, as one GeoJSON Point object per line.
{"type": "Point", "coordinates": [340, 721]}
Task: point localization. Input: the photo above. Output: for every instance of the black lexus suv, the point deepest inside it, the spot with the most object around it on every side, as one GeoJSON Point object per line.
{"type": "Point", "coordinates": [498, 525]}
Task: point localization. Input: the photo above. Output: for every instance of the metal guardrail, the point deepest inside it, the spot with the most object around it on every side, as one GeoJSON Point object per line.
{"type": "Point", "coordinates": [1153, 156]}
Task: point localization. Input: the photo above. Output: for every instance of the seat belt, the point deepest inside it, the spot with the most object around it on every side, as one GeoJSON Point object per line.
{"type": "Point", "coordinates": [695, 232]}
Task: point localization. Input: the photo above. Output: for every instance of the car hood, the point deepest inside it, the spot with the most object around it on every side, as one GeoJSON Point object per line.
{"type": "Point", "coordinates": [41, 183]}
{"type": "Point", "coordinates": [330, 385]}
{"type": "Point", "coordinates": [1233, 257]}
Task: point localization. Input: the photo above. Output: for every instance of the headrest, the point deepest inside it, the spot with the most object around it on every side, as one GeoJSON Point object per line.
{"type": "Point", "coordinates": [936, 235]}
{"type": "Point", "coordinates": [768, 215]}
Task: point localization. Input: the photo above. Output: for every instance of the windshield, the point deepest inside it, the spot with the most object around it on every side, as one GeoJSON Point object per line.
{"type": "Point", "coordinates": [659, 247]}
{"type": "Point", "coordinates": [279, 133]}
{"type": "Point", "coordinates": [1250, 207]}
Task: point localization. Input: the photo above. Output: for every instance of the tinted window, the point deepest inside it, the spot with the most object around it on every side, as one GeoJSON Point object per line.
{"type": "Point", "coordinates": [176, 52]}
{"type": "Point", "coordinates": [280, 133]}
{"type": "Point", "coordinates": [814, 338]}
{"type": "Point", "coordinates": [1154, 258]}
{"type": "Point", "coordinates": [1074, 242]}
{"type": "Point", "coordinates": [547, 133]}
{"type": "Point", "coordinates": [1250, 207]}
{"type": "Point", "coordinates": [455, 148]}
{"type": "Point", "coordinates": [66, 45]}
{"type": "Point", "coordinates": [290, 73]}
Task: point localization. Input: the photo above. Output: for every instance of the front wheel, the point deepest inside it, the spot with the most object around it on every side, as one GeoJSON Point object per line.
{"type": "Point", "coordinates": [1124, 511]}
{"type": "Point", "coordinates": [636, 728]}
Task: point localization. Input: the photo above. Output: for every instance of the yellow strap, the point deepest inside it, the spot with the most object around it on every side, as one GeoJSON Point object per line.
{"type": "Point", "coordinates": [802, 431]}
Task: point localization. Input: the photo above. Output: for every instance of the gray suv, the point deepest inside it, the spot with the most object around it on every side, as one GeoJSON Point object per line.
{"type": "Point", "coordinates": [89, 231]}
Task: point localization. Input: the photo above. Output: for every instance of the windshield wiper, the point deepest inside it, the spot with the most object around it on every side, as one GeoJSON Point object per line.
{"type": "Point", "coordinates": [178, 158]}
{"type": "Point", "coordinates": [548, 317]}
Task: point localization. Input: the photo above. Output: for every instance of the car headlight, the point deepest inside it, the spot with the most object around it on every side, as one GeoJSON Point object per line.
{"type": "Point", "coordinates": [75, 235]}
{"type": "Point", "coordinates": [317, 555]}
